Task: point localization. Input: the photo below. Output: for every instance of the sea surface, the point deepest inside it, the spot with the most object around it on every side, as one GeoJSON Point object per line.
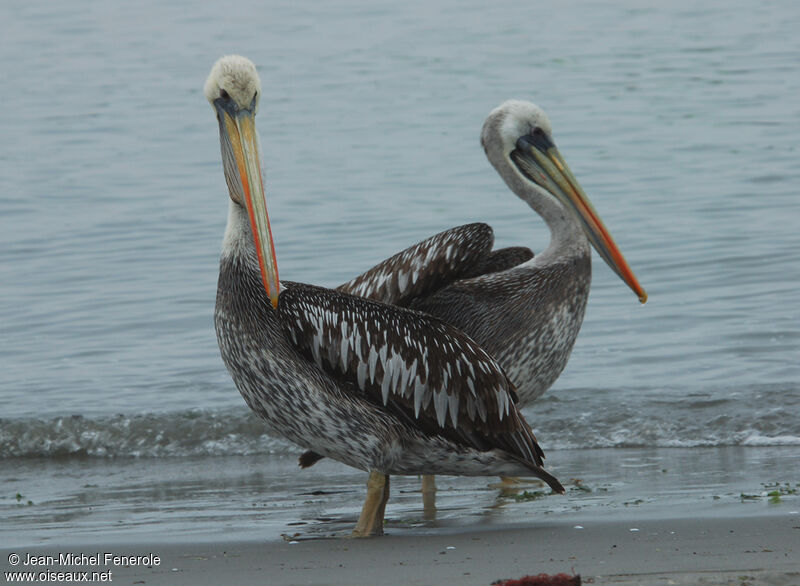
{"type": "Point", "coordinates": [681, 121]}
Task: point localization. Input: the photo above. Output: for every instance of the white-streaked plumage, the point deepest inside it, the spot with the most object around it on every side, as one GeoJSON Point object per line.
{"type": "Point", "coordinates": [378, 387]}
{"type": "Point", "coordinates": [524, 310]}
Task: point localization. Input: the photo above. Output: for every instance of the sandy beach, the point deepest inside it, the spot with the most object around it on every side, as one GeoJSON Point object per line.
{"type": "Point", "coordinates": [636, 516]}
{"type": "Point", "coordinates": [760, 549]}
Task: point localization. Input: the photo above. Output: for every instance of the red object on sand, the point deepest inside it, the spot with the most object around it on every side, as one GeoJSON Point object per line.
{"type": "Point", "coordinates": [542, 580]}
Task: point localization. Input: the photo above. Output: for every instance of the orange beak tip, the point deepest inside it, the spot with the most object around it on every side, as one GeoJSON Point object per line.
{"type": "Point", "coordinates": [643, 298]}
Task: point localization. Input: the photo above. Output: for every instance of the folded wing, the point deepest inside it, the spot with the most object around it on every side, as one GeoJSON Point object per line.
{"type": "Point", "coordinates": [416, 366]}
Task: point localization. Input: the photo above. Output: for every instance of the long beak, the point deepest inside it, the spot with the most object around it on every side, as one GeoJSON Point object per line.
{"type": "Point", "coordinates": [242, 163]}
{"type": "Point", "coordinates": [539, 159]}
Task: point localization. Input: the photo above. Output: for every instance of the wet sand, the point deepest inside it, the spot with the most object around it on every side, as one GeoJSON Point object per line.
{"type": "Point", "coordinates": [636, 516]}
{"type": "Point", "coordinates": [756, 549]}
{"type": "Point", "coordinates": [261, 497]}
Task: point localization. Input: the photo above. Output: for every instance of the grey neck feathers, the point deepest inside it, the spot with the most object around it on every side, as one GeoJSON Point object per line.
{"type": "Point", "coordinates": [238, 240]}
{"type": "Point", "coordinates": [567, 239]}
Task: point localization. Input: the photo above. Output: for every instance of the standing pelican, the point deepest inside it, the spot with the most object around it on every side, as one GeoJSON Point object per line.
{"type": "Point", "coordinates": [524, 310]}
{"type": "Point", "coordinates": [377, 387]}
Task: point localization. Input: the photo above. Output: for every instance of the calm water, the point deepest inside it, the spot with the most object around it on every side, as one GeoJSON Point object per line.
{"type": "Point", "coordinates": [680, 120]}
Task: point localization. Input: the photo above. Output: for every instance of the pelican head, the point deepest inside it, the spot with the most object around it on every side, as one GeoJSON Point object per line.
{"type": "Point", "coordinates": [233, 90]}
{"type": "Point", "coordinates": [518, 140]}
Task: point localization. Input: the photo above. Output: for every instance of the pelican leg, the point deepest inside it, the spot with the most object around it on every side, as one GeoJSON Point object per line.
{"type": "Point", "coordinates": [382, 505]}
{"type": "Point", "coordinates": [429, 496]}
{"type": "Point", "coordinates": [512, 482]}
{"type": "Point", "coordinates": [508, 481]}
{"type": "Point", "coordinates": [510, 485]}
{"type": "Point", "coordinates": [370, 522]}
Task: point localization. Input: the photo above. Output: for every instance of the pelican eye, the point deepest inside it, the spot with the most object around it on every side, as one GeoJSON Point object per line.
{"type": "Point", "coordinates": [537, 132]}
{"type": "Point", "coordinates": [224, 95]}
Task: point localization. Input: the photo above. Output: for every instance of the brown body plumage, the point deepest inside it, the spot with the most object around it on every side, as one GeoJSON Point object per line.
{"type": "Point", "coordinates": [378, 387]}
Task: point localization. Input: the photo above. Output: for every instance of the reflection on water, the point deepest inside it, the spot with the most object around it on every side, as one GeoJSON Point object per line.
{"type": "Point", "coordinates": [263, 497]}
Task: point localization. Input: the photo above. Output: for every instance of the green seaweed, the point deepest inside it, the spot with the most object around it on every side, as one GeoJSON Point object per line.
{"type": "Point", "coordinates": [773, 491]}
{"type": "Point", "coordinates": [529, 495]}
{"type": "Point", "coordinates": [778, 489]}
{"type": "Point", "coordinates": [20, 497]}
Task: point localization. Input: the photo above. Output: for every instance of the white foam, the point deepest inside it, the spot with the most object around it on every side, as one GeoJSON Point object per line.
{"type": "Point", "coordinates": [756, 439]}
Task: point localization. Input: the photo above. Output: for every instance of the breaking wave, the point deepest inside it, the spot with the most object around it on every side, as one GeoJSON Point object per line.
{"type": "Point", "coordinates": [563, 419]}
{"type": "Point", "coordinates": [150, 435]}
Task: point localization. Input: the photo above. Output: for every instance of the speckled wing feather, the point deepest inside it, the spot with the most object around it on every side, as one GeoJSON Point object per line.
{"type": "Point", "coordinates": [425, 267]}
{"type": "Point", "coordinates": [498, 260]}
{"type": "Point", "coordinates": [411, 363]}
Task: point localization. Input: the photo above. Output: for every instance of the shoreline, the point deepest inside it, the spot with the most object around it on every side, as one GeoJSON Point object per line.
{"type": "Point", "coordinates": [263, 497]}
{"type": "Point", "coordinates": [635, 516]}
{"type": "Point", "coordinates": [753, 549]}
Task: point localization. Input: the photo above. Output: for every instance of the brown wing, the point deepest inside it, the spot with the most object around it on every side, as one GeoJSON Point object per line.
{"type": "Point", "coordinates": [406, 361]}
{"type": "Point", "coordinates": [498, 260]}
{"type": "Point", "coordinates": [425, 267]}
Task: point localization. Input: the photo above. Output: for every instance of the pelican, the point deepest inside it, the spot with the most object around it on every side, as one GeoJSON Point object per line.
{"type": "Point", "coordinates": [523, 310]}
{"type": "Point", "coordinates": [378, 387]}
